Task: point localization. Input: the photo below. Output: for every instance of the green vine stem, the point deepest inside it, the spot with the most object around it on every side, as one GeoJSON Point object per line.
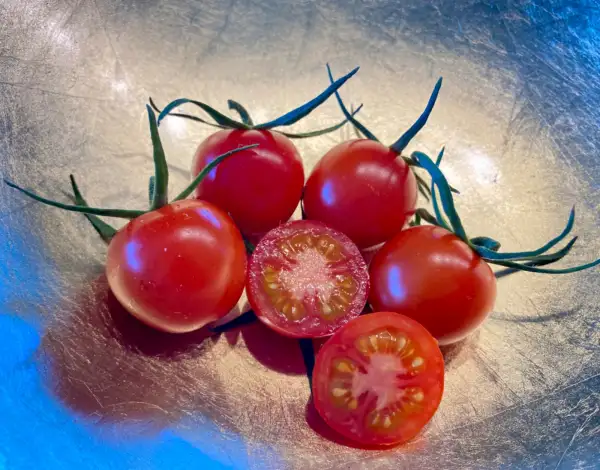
{"type": "Point", "coordinates": [488, 248]}
{"type": "Point", "coordinates": [158, 187]}
{"type": "Point", "coordinates": [400, 144]}
{"type": "Point", "coordinates": [224, 122]}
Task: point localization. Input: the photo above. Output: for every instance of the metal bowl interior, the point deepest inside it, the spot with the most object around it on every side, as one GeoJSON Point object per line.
{"type": "Point", "coordinates": [83, 385]}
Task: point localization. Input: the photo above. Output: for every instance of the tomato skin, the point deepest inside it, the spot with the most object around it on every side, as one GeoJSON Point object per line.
{"type": "Point", "coordinates": [362, 189]}
{"type": "Point", "coordinates": [179, 267]}
{"type": "Point", "coordinates": [432, 276]}
{"type": "Point", "coordinates": [260, 187]}
{"type": "Point", "coordinates": [352, 423]}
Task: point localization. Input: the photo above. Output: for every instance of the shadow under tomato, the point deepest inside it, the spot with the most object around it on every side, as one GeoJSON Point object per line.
{"type": "Point", "coordinates": [458, 353]}
{"type": "Point", "coordinates": [274, 351]}
{"type": "Point", "coordinates": [102, 363]}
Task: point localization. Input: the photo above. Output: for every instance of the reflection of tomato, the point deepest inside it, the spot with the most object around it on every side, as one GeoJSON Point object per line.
{"type": "Point", "coordinates": [379, 379]}
{"type": "Point", "coordinates": [179, 267]}
{"type": "Point", "coordinates": [432, 276]}
{"type": "Point", "coordinates": [260, 187]}
{"type": "Point", "coordinates": [362, 189]}
{"type": "Point", "coordinates": [306, 280]}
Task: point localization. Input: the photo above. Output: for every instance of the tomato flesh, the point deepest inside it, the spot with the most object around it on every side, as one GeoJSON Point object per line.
{"type": "Point", "coordinates": [306, 280]}
{"type": "Point", "coordinates": [179, 267]}
{"type": "Point", "coordinates": [432, 276]}
{"type": "Point", "coordinates": [362, 189]}
{"type": "Point", "coordinates": [379, 379]}
{"type": "Point", "coordinates": [260, 187]}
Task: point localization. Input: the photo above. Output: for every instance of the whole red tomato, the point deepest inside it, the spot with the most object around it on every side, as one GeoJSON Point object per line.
{"type": "Point", "coordinates": [430, 275]}
{"type": "Point", "coordinates": [363, 189]}
{"type": "Point", "coordinates": [261, 187]}
{"type": "Point", "coordinates": [179, 267]}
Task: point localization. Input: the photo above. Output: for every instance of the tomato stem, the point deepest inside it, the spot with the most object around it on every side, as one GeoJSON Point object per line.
{"type": "Point", "coordinates": [319, 132]}
{"type": "Point", "coordinates": [207, 169]}
{"type": "Point", "coordinates": [160, 193]}
{"type": "Point", "coordinates": [308, 356]}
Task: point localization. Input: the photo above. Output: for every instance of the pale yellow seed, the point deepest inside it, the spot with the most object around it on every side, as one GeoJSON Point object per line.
{"type": "Point", "coordinates": [273, 286]}
{"type": "Point", "coordinates": [417, 361]}
{"type": "Point", "coordinates": [326, 309]}
{"type": "Point", "coordinates": [400, 343]}
{"type": "Point", "coordinates": [387, 422]}
{"type": "Point", "coordinates": [339, 392]}
{"type": "Point", "coordinates": [343, 367]}
{"type": "Point", "coordinates": [374, 343]}
{"type": "Point", "coordinates": [353, 404]}
{"type": "Point", "coordinates": [375, 420]}
{"type": "Point", "coordinates": [363, 345]}
{"type": "Point", "coordinates": [419, 396]}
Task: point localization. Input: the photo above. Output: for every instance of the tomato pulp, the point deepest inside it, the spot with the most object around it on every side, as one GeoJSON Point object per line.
{"type": "Point", "coordinates": [260, 187]}
{"type": "Point", "coordinates": [179, 267]}
{"type": "Point", "coordinates": [363, 189]}
{"type": "Point", "coordinates": [305, 280]}
{"type": "Point", "coordinates": [432, 276]}
{"type": "Point", "coordinates": [379, 379]}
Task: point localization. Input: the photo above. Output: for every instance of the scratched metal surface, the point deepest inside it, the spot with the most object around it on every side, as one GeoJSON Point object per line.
{"type": "Point", "coordinates": [82, 385]}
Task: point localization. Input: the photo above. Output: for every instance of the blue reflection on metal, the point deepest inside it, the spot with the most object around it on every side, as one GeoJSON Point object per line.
{"type": "Point", "coordinates": [395, 284]}
{"type": "Point", "coordinates": [132, 253]}
{"type": "Point", "coordinates": [208, 215]}
{"type": "Point", "coordinates": [327, 194]}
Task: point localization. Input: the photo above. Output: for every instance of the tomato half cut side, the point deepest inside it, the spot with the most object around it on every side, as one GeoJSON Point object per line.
{"type": "Point", "coordinates": [379, 379]}
{"type": "Point", "coordinates": [305, 280]}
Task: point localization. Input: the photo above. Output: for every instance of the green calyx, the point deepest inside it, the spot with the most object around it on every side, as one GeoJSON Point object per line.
{"type": "Point", "coordinates": [158, 187]}
{"type": "Point", "coordinates": [398, 146]}
{"type": "Point", "coordinates": [446, 216]}
{"type": "Point", "coordinates": [246, 122]}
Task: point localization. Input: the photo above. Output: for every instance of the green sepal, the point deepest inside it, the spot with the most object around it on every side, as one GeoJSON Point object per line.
{"type": "Point", "coordinates": [532, 254]}
{"type": "Point", "coordinates": [218, 117]}
{"type": "Point", "coordinates": [319, 132]}
{"type": "Point", "coordinates": [405, 138]}
{"type": "Point", "coordinates": [439, 180]}
{"type": "Point", "coordinates": [302, 111]}
{"type": "Point", "coordinates": [160, 195]}
{"type": "Point", "coordinates": [118, 213]}
{"type": "Point", "coordinates": [106, 231]}
{"type": "Point", "coordinates": [187, 116]}
{"type": "Point", "coordinates": [243, 112]}
{"type": "Point", "coordinates": [357, 124]}
{"type": "Point", "coordinates": [486, 242]}
{"type": "Point", "coordinates": [151, 187]}
{"type": "Point", "coordinates": [207, 169]}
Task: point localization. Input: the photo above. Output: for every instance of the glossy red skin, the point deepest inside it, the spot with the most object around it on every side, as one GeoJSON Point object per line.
{"type": "Point", "coordinates": [342, 344]}
{"type": "Point", "coordinates": [262, 306]}
{"type": "Point", "coordinates": [179, 267]}
{"type": "Point", "coordinates": [432, 276]}
{"type": "Point", "coordinates": [261, 187]}
{"type": "Point", "coordinates": [362, 189]}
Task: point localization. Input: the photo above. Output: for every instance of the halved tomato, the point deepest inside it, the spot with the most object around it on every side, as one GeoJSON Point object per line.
{"type": "Point", "coordinates": [305, 280]}
{"type": "Point", "coordinates": [379, 379]}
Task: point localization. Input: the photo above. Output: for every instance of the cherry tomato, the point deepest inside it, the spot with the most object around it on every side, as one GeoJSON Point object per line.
{"type": "Point", "coordinates": [179, 267]}
{"type": "Point", "coordinates": [379, 379]}
{"type": "Point", "coordinates": [261, 187]}
{"type": "Point", "coordinates": [362, 189]}
{"type": "Point", "coordinates": [432, 276]}
{"type": "Point", "coordinates": [305, 280]}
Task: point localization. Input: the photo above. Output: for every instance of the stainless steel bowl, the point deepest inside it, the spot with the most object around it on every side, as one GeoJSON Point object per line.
{"type": "Point", "coordinates": [83, 385]}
